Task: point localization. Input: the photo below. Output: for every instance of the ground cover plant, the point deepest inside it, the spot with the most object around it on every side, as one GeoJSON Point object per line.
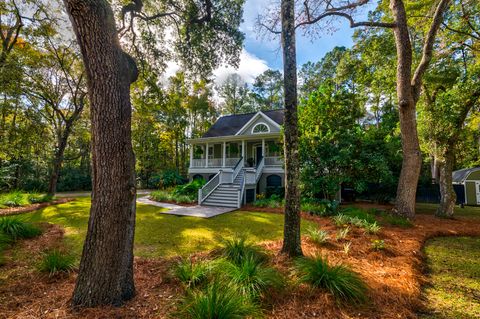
{"type": "Point", "coordinates": [19, 198]}
{"type": "Point", "coordinates": [56, 261]}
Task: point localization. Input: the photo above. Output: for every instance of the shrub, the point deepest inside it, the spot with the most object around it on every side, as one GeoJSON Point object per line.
{"type": "Point", "coordinates": [314, 209]}
{"type": "Point", "coordinates": [55, 261]}
{"type": "Point", "coordinates": [17, 228]}
{"type": "Point", "coordinates": [237, 249]}
{"type": "Point", "coordinates": [35, 198]}
{"type": "Point", "coordinates": [14, 199]}
{"type": "Point", "coordinates": [218, 301]}
{"type": "Point", "coordinates": [191, 274]}
{"type": "Point", "coordinates": [190, 189]}
{"type": "Point", "coordinates": [378, 244]}
{"type": "Point", "coordinates": [273, 201]}
{"type": "Point", "coordinates": [340, 281]}
{"type": "Point", "coordinates": [318, 236]}
{"type": "Point", "coordinates": [342, 233]}
{"type": "Point", "coordinates": [168, 196]}
{"type": "Point", "coordinates": [346, 247]}
{"type": "Point", "coordinates": [359, 214]}
{"type": "Point", "coordinates": [251, 277]}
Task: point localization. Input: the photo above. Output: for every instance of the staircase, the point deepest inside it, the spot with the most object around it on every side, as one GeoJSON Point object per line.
{"type": "Point", "coordinates": [226, 194]}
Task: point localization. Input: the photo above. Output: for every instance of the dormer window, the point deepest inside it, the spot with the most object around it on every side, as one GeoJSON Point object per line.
{"type": "Point", "coordinates": [260, 128]}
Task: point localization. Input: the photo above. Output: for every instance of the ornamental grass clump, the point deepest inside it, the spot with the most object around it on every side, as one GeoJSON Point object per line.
{"type": "Point", "coordinates": [192, 274]}
{"type": "Point", "coordinates": [56, 261]}
{"type": "Point", "coordinates": [340, 281]}
{"type": "Point", "coordinates": [318, 236]}
{"type": "Point", "coordinates": [237, 249]}
{"type": "Point", "coordinates": [17, 228]}
{"type": "Point", "coordinates": [218, 301]}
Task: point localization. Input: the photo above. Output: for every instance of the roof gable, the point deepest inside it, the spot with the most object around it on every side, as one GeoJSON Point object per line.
{"type": "Point", "coordinates": [232, 124]}
{"type": "Point", "coordinates": [462, 174]}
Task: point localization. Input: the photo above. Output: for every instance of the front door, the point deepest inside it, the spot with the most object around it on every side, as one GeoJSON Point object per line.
{"type": "Point", "coordinates": [477, 191]}
{"type": "Point", "coordinates": [258, 154]}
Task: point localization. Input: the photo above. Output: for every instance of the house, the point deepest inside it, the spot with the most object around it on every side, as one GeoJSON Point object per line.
{"type": "Point", "coordinates": [469, 178]}
{"type": "Point", "coordinates": [240, 156]}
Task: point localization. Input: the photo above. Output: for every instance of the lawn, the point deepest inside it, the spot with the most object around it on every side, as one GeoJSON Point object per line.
{"type": "Point", "coordinates": [467, 211]}
{"type": "Point", "coordinates": [162, 235]}
{"type": "Point", "coordinates": [454, 265]}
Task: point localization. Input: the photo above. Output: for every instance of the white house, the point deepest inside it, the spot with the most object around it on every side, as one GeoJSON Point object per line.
{"type": "Point", "coordinates": [239, 156]}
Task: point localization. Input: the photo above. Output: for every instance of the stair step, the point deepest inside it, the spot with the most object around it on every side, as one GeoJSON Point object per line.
{"type": "Point", "coordinates": [219, 203]}
{"type": "Point", "coordinates": [223, 197]}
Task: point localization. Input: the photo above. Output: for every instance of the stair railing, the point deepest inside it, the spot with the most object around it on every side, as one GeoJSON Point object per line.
{"type": "Point", "coordinates": [238, 167]}
{"type": "Point", "coordinates": [259, 169]}
{"type": "Point", "coordinates": [209, 187]}
{"type": "Point", "coordinates": [241, 191]}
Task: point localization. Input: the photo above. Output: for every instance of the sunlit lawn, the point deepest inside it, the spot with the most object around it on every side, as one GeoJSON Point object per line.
{"type": "Point", "coordinates": [454, 263]}
{"type": "Point", "coordinates": [160, 234]}
{"type": "Point", "coordinates": [467, 211]}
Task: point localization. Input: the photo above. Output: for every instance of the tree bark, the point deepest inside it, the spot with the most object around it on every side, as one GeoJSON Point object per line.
{"type": "Point", "coordinates": [58, 159]}
{"type": "Point", "coordinates": [106, 268]}
{"type": "Point", "coordinates": [448, 197]}
{"type": "Point", "coordinates": [291, 234]}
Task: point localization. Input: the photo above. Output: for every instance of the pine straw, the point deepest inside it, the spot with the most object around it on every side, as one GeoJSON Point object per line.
{"type": "Point", "coordinates": [395, 277]}
{"type": "Point", "coordinates": [32, 207]}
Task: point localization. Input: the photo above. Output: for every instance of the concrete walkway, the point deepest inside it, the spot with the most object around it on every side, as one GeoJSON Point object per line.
{"type": "Point", "coordinates": [192, 211]}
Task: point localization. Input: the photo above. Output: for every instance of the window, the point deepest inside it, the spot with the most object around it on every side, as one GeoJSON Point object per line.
{"type": "Point", "coordinates": [260, 128]}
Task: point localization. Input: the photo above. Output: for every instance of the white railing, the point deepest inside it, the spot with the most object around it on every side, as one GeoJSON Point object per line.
{"type": "Point", "coordinates": [259, 170]}
{"type": "Point", "coordinates": [241, 192]}
{"type": "Point", "coordinates": [273, 161]}
{"type": "Point", "coordinates": [215, 162]}
{"type": "Point", "coordinates": [209, 187]}
{"type": "Point", "coordinates": [231, 162]}
{"type": "Point", "coordinates": [198, 162]}
{"type": "Point", "coordinates": [238, 167]}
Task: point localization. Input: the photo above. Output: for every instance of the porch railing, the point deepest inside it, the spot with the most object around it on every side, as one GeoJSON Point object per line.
{"type": "Point", "coordinates": [198, 162]}
{"type": "Point", "coordinates": [259, 169]}
{"type": "Point", "coordinates": [238, 167]}
{"type": "Point", "coordinates": [273, 161]}
{"type": "Point", "coordinates": [229, 162]}
{"type": "Point", "coordinates": [215, 162]}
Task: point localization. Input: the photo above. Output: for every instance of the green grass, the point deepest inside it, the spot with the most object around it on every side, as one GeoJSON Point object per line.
{"type": "Point", "coordinates": [166, 235]}
{"type": "Point", "coordinates": [468, 211]}
{"type": "Point", "coordinates": [454, 265]}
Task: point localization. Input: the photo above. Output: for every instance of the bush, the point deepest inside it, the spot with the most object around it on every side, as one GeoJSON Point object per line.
{"type": "Point", "coordinates": [358, 213]}
{"type": "Point", "coordinates": [14, 199]}
{"type": "Point", "coordinates": [191, 274]}
{"type": "Point", "coordinates": [218, 301]}
{"type": "Point", "coordinates": [55, 261]}
{"type": "Point", "coordinates": [314, 209]}
{"type": "Point", "coordinates": [251, 277]}
{"type": "Point", "coordinates": [237, 249]}
{"type": "Point", "coordinates": [378, 244]}
{"type": "Point", "coordinates": [373, 228]}
{"type": "Point", "coordinates": [17, 228]}
{"type": "Point", "coordinates": [342, 233]}
{"type": "Point", "coordinates": [340, 281]}
{"type": "Point", "coordinates": [394, 220]}
{"type": "Point", "coordinates": [166, 179]}
{"type": "Point", "coordinates": [190, 189]}
{"type": "Point", "coordinates": [35, 198]}
{"type": "Point", "coordinates": [317, 235]}
{"type": "Point", "coordinates": [168, 196]}
{"type": "Point", "coordinates": [273, 201]}
{"type": "Point", "coordinates": [341, 220]}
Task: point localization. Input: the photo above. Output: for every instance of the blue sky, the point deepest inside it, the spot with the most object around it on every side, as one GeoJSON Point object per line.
{"type": "Point", "coordinates": [259, 54]}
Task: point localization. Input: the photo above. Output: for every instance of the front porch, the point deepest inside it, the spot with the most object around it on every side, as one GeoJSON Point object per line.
{"type": "Point", "coordinates": [224, 154]}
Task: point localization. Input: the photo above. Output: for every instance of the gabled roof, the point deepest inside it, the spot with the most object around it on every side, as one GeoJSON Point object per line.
{"type": "Point", "coordinates": [231, 124]}
{"type": "Point", "coordinates": [462, 174]}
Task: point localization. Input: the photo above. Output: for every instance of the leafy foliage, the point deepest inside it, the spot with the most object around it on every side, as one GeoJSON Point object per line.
{"type": "Point", "coordinates": [237, 249]}
{"type": "Point", "coordinates": [191, 274]}
{"type": "Point", "coordinates": [16, 228]}
{"type": "Point", "coordinates": [340, 281]}
{"type": "Point", "coordinates": [319, 236]}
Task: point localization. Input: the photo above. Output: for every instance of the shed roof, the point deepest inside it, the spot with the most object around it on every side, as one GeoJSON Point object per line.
{"type": "Point", "coordinates": [462, 174]}
{"type": "Point", "coordinates": [230, 124]}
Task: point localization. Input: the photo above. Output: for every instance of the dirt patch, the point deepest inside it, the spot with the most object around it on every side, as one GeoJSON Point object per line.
{"type": "Point", "coordinates": [32, 207]}
{"type": "Point", "coordinates": [394, 275]}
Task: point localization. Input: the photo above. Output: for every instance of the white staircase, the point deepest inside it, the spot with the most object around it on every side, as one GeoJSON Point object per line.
{"type": "Point", "coordinates": [226, 194]}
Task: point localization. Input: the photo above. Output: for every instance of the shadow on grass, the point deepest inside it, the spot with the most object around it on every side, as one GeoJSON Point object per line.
{"type": "Point", "coordinates": [163, 235]}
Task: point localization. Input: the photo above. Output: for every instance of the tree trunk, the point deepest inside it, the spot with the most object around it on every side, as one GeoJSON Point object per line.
{"type": "Point", "coordinates": [291, 234]}
{"type": "Point", "coordinates": [447, 193]}
{"type": "Point", "coordinates": [411, 164]}
{"type": "Point", "coordinates": [58, 159]}
{"type": "Point", "coordinates": [106, 268]}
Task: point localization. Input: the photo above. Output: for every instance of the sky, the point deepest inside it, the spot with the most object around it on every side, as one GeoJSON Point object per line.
{"type": "Point", "coordinates": [260, 54]}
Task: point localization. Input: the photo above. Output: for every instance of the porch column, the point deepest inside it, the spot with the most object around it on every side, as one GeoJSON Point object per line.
{"type": "Point", "coordinates": [243, 149]}
{"type": "Point", "coordinates": [206, 156]}
{"type": "Point", "coordinates": [224, 152]}
{"type": "Point", "coordinates": [191, 154]}
{"type": "Point", "coordinates": [263, 147]}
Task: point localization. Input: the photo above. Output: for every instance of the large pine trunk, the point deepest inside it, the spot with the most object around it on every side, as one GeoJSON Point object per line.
{"type": "Point", "coordinates": [448, 197]}
{"type": "Point", "coordinates": [106, 268]}
{"type": "Point", "coordinates": [411, 164]}
{"type": "Point", "coordinates": [291, 238]}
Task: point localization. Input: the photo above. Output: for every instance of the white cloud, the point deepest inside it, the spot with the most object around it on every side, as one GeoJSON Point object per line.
{"type": "Point", "coordinates": [249, 68]}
